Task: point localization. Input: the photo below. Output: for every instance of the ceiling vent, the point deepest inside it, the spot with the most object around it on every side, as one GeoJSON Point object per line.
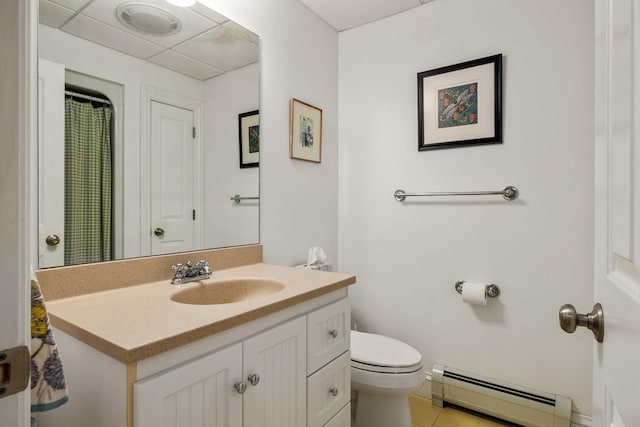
{"type": "Point", "coordinates": [148, 19]}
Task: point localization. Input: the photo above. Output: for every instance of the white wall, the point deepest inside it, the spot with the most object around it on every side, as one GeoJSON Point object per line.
{"type": "Point", "coordinates": [538, 249]}
{"type": "Point", "coordinates": [228, 223]}
{"type": "Point", "coordinates": [299, 59]}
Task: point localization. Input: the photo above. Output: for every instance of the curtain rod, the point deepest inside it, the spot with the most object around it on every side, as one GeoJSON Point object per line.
{"type": "Point", "coordinates": [90, 98]}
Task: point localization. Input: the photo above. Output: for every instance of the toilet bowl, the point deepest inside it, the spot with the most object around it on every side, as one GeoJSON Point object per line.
{"type": "Point", "coordinates": [384, 371]}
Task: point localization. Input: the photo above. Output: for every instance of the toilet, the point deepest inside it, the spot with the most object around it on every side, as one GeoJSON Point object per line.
{"type": "Point", "coordinates": [384, 371]}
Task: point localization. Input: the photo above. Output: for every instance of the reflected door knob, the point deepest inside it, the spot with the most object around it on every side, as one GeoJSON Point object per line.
{"type": "Point", "coordinates": [158, 232]}
{"type": "Point", "coordinates": [570, 320]}
{"type": "Point", "coordinates": [52, 240]}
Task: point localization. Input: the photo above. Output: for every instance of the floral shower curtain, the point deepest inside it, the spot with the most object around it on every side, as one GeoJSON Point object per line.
{"type": "Point", "coordinates": [87, 193]}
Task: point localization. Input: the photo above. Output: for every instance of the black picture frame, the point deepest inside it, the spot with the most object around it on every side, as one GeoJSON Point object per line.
{"type": "Point", "coordinates": [249, 139]}
{"type": "Point", "coordinates": [460, 105]}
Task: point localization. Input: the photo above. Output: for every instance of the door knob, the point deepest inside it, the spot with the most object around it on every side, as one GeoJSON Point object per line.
{"type": "Point", "coordinates": [158, 232]}
{"type": "Point", "coordinates": [52, 240]}
{"type": "Point", "coordinates": [570, 320]}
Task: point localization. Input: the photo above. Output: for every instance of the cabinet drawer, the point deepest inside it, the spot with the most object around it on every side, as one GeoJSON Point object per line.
{"type": "Point", "coordinates": [328, 390]}
{"type": "Point", "coordinates": [328, 334]}
{"type": "Point", "coordinates": [342, 418]}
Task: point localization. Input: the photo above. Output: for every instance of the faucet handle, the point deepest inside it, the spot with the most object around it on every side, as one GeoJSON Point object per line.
{"type": "Point", "coordinates": [179, 269]}
{"type": "Point", "coordinates": [204, 267]}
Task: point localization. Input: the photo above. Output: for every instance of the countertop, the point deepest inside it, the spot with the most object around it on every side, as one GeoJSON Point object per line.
{"type": "Point", "coordinates": [136, 322]}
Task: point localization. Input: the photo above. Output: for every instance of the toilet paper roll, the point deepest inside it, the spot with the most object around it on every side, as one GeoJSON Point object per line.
{"type": "Point", "coordinates": [474, 293]}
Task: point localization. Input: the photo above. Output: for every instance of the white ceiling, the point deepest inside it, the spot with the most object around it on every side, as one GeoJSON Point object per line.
{"type": "Point", "coordinates": [207, 45]}
{"type": "Point", "coordinates": [345, 14]}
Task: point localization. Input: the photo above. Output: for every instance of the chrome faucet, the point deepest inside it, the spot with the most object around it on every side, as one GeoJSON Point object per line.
{"type": "Point", "coordinates": [190, 273]}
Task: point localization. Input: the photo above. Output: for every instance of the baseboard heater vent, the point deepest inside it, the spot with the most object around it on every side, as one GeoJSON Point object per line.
{"type": "Point", "coordinates": [510, 402]}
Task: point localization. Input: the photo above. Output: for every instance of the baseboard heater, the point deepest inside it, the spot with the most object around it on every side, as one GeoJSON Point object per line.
{"type": "Point", "coordinates": [510, 402]}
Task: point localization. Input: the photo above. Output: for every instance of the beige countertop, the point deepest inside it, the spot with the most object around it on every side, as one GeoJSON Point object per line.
{"type": "Point", "coordinates": [136, 322]}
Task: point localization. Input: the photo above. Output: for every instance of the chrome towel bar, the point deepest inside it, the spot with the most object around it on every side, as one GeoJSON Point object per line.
{"type": "Point", "coordinates": [509, 193]}
{"type": "Point", "coordinates": [237, 198]}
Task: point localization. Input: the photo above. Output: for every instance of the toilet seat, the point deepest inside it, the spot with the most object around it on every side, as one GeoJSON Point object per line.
{"type": "Point", "coordinates": [378, 353]}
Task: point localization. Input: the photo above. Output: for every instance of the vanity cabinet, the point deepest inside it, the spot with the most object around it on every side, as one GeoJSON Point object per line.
{"type": "Point", "coordinates": [258, 382]}
{"type": "Point", "coordinates": [294, 374]}
{"type": "Point", "coordinates": [288, 368]}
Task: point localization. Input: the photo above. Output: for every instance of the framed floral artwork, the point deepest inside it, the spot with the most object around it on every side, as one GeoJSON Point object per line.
{"type": "Point", "coordinates": [249, 138]}
{"type": "Point", "coordinates": [460, 105]}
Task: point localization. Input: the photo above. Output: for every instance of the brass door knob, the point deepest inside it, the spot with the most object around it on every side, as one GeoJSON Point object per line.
{"type": "Point", "coordinates": [52, 240]}
{"type": "Point", "coordinates": [570, 320]}
{"type": "Point", "coordinates": [158, 232]}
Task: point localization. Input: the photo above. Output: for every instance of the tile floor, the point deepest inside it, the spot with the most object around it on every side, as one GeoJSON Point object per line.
{"type": "Point", "coordinates": [425, 415]}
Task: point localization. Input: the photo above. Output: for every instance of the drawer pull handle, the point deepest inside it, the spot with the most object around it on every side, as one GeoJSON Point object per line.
{"type": "Point", "coordinates": [333, 333]}
{"type": "Point", "coordinates": [333, 391]}
{"type": "Point", "coordinates": [254, 379]}
{"type": "Point", "coordinates": [240, 386]}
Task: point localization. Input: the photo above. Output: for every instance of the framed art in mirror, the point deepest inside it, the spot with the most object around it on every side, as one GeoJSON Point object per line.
{"type": "Point", "coordinates": [305, 132]}
{"type": "Point", "coordinates": [249, 136]}
{"type": "Point", "coordinates": [460, 105]}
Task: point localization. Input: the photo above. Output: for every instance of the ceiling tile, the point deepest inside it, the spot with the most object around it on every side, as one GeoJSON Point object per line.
{"type": "Point", "coordinates": [223, 47]}
{"type": "Point", "coordinates": [113, 38]}
{"type": "Point", "coordinates": [185, 65]}
{"type": "Point", "coordinates": [192, 22]}
{"type": "Point", "coordinates": [72, 4]}
{"type": "Point", "coordinates": [53, 15]}
{"type": "Point", "coordinates": [209, 13]}
{"type": "Point", "coordinates": [343, 14]}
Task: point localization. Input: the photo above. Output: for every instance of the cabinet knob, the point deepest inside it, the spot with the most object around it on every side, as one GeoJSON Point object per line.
{"type": "Point", "coordinates": [240, 386]}
{"type": "Point", "coordinates": [333, 391]}
{"type": "Point", "coordinates": [254, 379]}
{"type": "Point", "coordinates": [333, 333]}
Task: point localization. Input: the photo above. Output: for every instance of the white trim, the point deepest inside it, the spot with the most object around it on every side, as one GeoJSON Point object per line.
{"type": "Point", "coordinates": [577, 420]}
{"type": "Point", "coordinates": [581, 420]}
{"type": "Point", "coordinates": [149, 94]}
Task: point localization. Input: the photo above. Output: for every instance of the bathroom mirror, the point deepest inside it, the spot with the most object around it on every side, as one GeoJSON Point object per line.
{"type": "Point", "coordinates": [140, 141]}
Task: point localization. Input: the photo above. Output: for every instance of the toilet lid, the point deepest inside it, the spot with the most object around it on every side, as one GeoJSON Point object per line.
{"type": "Point", "coordinates": [383, 354]}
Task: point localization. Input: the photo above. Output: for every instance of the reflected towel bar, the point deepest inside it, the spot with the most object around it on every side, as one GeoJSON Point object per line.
{"type": "Point", "coordinates": [509, 193]}
{"type": "Point", "coordinates": [237, 198]}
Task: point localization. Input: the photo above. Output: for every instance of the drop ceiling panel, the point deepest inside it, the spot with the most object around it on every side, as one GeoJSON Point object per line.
{"type": "Point", "coordinates": [193, 23]}
{"type": "Point", "coordinates": [72, 4]}
{"type": "Point", "coordinates": [225, 47]}
{"type": "Point", "coordinates": [209, 13]}
{"type": "Point", "coordinates": [185, 65]}
{"type": "Point", "coordinates": [105, 35]}
{"type": "Point", "coordinates": [97, 23]}
{"type": "Point", "coordinates": [54, 15]}
{"type": "Point", "coordinates": [345, 14]}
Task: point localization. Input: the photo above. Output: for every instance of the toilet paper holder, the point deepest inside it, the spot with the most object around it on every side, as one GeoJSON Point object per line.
{"type": "Point", "coordinates": [492, 290]}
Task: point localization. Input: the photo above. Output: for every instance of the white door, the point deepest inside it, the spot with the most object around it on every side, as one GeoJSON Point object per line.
{"type": "Point", "coordinates": [172, 179]}
{"type": "Point", "coordinates": [51, 161]}
{"type": "Point", "coordinates": [17, 88]}
{"type": "Point", "coordinates": [617, 215]}
{"type": "Point", "coordinates": [277, 396]}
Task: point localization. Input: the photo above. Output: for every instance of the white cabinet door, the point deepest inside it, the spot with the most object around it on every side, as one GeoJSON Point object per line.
{"type": "Point", "coordinates": [197, 394]}
{"type": "Point", "coordinates": [279, 357]}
